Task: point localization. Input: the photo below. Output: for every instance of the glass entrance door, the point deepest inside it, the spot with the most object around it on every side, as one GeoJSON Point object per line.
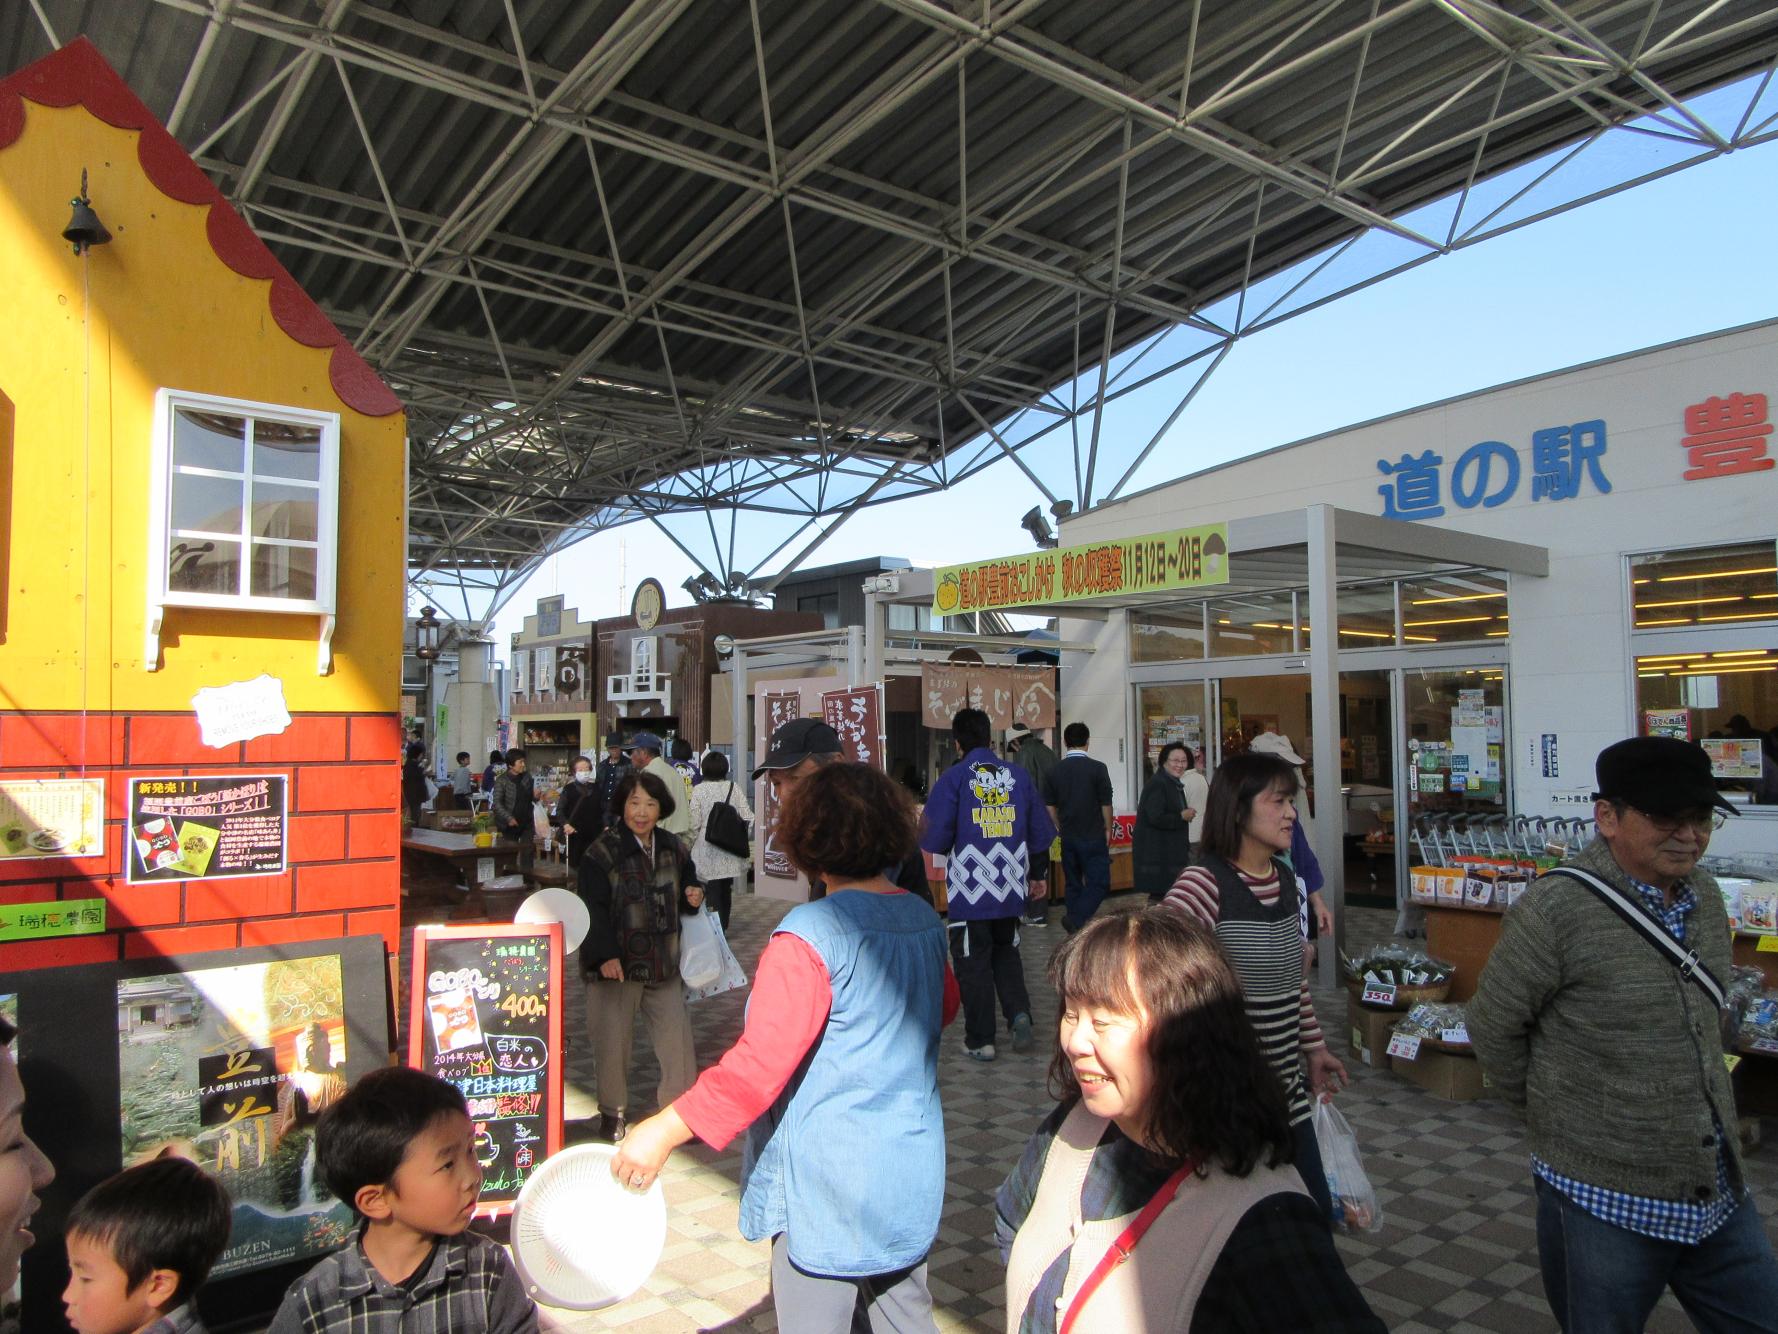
{"type": "Point", "coordinates": [1458, 769]}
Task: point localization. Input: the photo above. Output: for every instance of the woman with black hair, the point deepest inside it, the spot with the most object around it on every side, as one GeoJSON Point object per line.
{"type": "Point", "coordinates": [1161, 847]}
{"type": "Point", "coordinates": [637, 881]}
{"type": "Point", "coordinates": [1170, 1150]}
{"type": "Point", "coordinates": [1243, 890]}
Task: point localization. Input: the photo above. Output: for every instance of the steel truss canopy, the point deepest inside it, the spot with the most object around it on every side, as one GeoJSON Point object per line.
{"type": "Point", "coordinates": [710, 258]}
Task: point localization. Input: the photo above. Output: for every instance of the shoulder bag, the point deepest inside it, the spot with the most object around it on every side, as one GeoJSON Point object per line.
{"type": "Point", "coordinates": [1686, 961]}
{"type": "Point", "coordinates": [725, 830]}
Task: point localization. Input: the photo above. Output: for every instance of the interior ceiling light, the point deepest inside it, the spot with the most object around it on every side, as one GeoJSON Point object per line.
{"type": "Point", "coordinates": [1726, 671]}
{"type": "Point", "coordinates": [1739, 616]}
{"type": "Point", "coordinates": [1716, 574]}
{"type": "Point", "coordinates": [1452, 620]}
{"type": "Point", "coordinates": [1743, 653]}
{"type": "Point", "coordinates": [1457, 597]}
{"type": "Point", "coordinates": [1665, 657]}
{"type": "Point", "coordinates": [1686, 602]}
{"type": "Point", "coordinates": [1671, 620]}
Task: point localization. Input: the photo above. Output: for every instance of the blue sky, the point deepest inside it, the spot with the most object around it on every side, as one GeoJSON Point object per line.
{"type": "Point", "coordinates": [1687, 254]}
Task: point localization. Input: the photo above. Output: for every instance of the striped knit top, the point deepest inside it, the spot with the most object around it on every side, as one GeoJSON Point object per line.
{"type": "Point", "coordinates": [1265, 950]}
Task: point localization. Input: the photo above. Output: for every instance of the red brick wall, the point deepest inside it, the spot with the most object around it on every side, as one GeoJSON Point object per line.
{"type": "Point", "coordinates": [344, 846]}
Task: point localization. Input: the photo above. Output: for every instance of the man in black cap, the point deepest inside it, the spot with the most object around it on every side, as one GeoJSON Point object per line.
{"type": "Point", "coordinates": [798, 749]}
{"type": "Point", "coordinates": [1597, 1020]}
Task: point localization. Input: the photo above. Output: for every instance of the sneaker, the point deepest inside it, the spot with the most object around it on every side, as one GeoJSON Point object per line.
{"type": "Point", "coordinates": [985, 1052]}
{"type": "Point", "coordinates": [1037, 921]}
{"type": "Point", "coordinates": [1022, 1039]}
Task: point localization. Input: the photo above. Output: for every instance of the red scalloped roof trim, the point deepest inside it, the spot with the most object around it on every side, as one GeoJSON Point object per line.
{"type": "Point", "coordinates": [78, 75]}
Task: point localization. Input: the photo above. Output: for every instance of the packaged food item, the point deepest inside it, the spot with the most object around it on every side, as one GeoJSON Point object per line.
{"type": "Point", "coordinates": [1441, 1022]}
{"type": "Point", "coordinates": [1759, 907]}
{"type": "Point", "coordinates": [1450, 885]}
{"type": "Point", "coordinates": [157, 843]}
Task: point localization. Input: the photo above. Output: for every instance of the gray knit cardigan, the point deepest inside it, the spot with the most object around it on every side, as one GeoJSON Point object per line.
{"type": "Point", "coordinates": [1611, 1056]}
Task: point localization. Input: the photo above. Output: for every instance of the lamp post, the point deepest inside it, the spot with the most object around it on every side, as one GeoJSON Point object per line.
{"type": "Point", "coordinates": [426, 635]}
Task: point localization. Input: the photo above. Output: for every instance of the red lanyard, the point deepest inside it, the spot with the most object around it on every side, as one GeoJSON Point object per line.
{"type": "Point", "coordinates": [1126, 1242]}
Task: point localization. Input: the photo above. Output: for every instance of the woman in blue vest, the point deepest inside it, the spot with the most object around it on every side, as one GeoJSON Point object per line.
{"type": "Point", "coordinates": [835, 1077]}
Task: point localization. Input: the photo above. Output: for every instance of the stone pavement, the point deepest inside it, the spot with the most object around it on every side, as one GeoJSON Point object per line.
{"type": "Point", "coordinates": [1457, 1250]}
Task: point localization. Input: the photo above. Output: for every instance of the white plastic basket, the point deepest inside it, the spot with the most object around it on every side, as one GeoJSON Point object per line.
{"type": "Point", "coordinates": [579, 1239]}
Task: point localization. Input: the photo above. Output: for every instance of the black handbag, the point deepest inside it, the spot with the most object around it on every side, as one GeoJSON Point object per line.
{"type": "Point", "coordinates": [725, 830]}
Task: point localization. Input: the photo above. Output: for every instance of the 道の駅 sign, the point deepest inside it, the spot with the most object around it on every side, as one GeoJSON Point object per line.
{"type": "Point", "coordinates": [1152, 563]}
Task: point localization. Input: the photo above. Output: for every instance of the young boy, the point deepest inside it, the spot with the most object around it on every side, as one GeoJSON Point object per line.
{"type": "Point", "coordinates": [400, 1149]}
{"type": "Point", "coordinates": [140, 1244]}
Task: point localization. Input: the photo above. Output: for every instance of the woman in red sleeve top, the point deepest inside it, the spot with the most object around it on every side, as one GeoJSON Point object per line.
{"type": "Point", "coordinates": [835, 1076]}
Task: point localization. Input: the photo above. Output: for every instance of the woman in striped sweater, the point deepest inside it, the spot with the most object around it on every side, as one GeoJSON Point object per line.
{"type": "Point", "coordinates": [1242, 890]}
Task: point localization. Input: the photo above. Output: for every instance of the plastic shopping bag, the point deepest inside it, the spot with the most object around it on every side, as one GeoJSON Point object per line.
{"type": "Point", "coordinates": [1355, 1207]}
{"type": "Point", "coordinates": [729, 976]}
{"type": "Point", "coordinates": [700, 961]}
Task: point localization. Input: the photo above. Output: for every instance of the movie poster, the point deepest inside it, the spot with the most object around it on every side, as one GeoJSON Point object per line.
{"type": "Point", "coordinates": [231, 1067]}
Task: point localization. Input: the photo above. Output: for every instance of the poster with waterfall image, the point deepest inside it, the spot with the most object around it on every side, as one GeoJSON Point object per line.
{"type": "Point", "coordinates": [231, 1067]}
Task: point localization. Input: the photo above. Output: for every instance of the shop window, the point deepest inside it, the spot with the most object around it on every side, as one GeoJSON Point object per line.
{"type": "Point", "coordinates": [1453, 608]}
{"type": "Point", "coordinates": [521, 673]}
{"type": "Point", "coordinates": [1367, 615]}
{"type": "Point", "coordinates": [1263, 622]}
{"type": "Point", "coordinates": [905, 616]}
{"type": "Point", "coordinates": [1173, 635]}
{"type": "Point", "coordinates": [827, 605]}
{"type": "Point", "coordinates": [1725, 699]}
{"type": "Point", "coordinates": [1728, 585]}
{"type": "Point", "coordinates": [244, 514]}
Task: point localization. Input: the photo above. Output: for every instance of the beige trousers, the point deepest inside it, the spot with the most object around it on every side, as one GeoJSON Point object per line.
{"type": "Point", "coordinates": [611, 1016]}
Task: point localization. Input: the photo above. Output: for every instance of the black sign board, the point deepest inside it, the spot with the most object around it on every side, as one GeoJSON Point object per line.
{"type": "Point", "coordinates": [486, 1015]}
{"type": "Point", "coordinates": [207, 828]}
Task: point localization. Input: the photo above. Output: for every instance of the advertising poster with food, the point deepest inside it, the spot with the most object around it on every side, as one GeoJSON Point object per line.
{"type": "Point", "coordinates": [207, 828]}
{"type": "Point", "coordinates": [231, 1067]}
{"type": "Point", "coordinates": [52, 817]}
{"type": "Point", "coordinates": [486, 1017]}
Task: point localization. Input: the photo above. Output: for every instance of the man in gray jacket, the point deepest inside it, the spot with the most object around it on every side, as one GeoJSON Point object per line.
{"type": "Point", "coordinates": [1608, 1043]}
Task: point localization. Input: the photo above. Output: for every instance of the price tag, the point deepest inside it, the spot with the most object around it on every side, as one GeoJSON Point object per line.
{"type": "Point", "coordinates": [1379, 993]}
{"type": "Point", "coordinates": [1767, 945]}
{"type": "Point", "coordinates": [1731, 1060]}
{"type": "Point", "coordinates": [1457, 1037]}
{"type": "Point", "coordinates": [1406, 1048]}
{"type": "Point", "coordinates": [1763, 1044]}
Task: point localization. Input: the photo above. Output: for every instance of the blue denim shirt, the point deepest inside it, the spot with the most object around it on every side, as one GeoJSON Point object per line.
{"type": "Point", "coordinates": [850, 1160]}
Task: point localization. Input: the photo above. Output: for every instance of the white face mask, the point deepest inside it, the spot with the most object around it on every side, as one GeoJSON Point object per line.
{"type": "Point", "coordinates": [583, 775]}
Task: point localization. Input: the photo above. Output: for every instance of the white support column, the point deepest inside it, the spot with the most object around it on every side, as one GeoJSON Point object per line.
{"type": "Point", "coordinates": [875, 622]}
{"type": "Point", "coordinates": [854, 654]}
{"type": "Point", "coordinates": [1324, 700]}
{"type": "Point", "coordinates": [740, 716]}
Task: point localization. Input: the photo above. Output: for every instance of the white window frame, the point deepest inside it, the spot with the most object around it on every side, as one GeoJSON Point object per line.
{"type": "Point", "coordinates": [324, 604]}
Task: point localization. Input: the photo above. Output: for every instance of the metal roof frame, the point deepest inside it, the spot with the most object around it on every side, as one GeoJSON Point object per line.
{"type": "Point", "coordinates": [712, 263]}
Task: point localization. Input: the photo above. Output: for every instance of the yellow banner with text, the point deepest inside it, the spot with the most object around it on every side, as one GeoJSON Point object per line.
{"type": "Point", "coordinates": [1152, 563]}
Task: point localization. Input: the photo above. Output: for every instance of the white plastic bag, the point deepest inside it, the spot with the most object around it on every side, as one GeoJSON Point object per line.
{"type": "Point", "coordinates": [1355, 1207]}
{"type": "Point", "coordinates": [700, 961]}
{"type": "Point", "coordinates": [731, 975]}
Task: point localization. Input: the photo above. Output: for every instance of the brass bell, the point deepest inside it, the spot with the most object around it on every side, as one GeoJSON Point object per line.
{"type": "Point", "coordinates": [84, 228]}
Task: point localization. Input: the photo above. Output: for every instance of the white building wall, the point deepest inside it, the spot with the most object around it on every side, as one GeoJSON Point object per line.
{"type": "Point", "coordinates": [1570, 670]}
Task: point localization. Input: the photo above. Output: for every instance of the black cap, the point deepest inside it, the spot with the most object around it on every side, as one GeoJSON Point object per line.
{"type": "Point", "coordinates": [796, 741]}
{"type": "Point", "coordinates": [1661, 775]}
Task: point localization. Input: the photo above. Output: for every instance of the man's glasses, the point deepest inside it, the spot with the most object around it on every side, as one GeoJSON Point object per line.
{"type": "Point", "coordinates": [1702, 822]}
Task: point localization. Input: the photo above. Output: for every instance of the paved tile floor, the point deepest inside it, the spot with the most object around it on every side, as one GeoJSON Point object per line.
{"type": "Point", "coordinates": [1457, 1250]}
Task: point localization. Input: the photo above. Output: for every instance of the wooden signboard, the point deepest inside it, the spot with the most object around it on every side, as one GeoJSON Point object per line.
{"type": "Point", "coordinates": [487, 1016]}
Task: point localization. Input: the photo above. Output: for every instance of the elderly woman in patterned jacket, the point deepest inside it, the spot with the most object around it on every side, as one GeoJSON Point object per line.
{"type": "Point", "coordinates": [637, 880]}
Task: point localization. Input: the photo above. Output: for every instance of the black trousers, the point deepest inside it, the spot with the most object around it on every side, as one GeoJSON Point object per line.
{"type": "Point", "coordinates": [985, 957]}
{"type": "Point", "coordinates": [720, 895]}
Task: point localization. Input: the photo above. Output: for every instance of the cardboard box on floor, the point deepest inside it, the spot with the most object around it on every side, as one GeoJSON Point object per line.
{"type": "Point", "coordinates": [1444, 1075]}
{"type": "Point", "coordinates": [1367, 1032]}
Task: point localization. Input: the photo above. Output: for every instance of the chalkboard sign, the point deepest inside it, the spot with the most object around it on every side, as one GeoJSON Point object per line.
{"type": "Point", "coordinates": [486, 1015]}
